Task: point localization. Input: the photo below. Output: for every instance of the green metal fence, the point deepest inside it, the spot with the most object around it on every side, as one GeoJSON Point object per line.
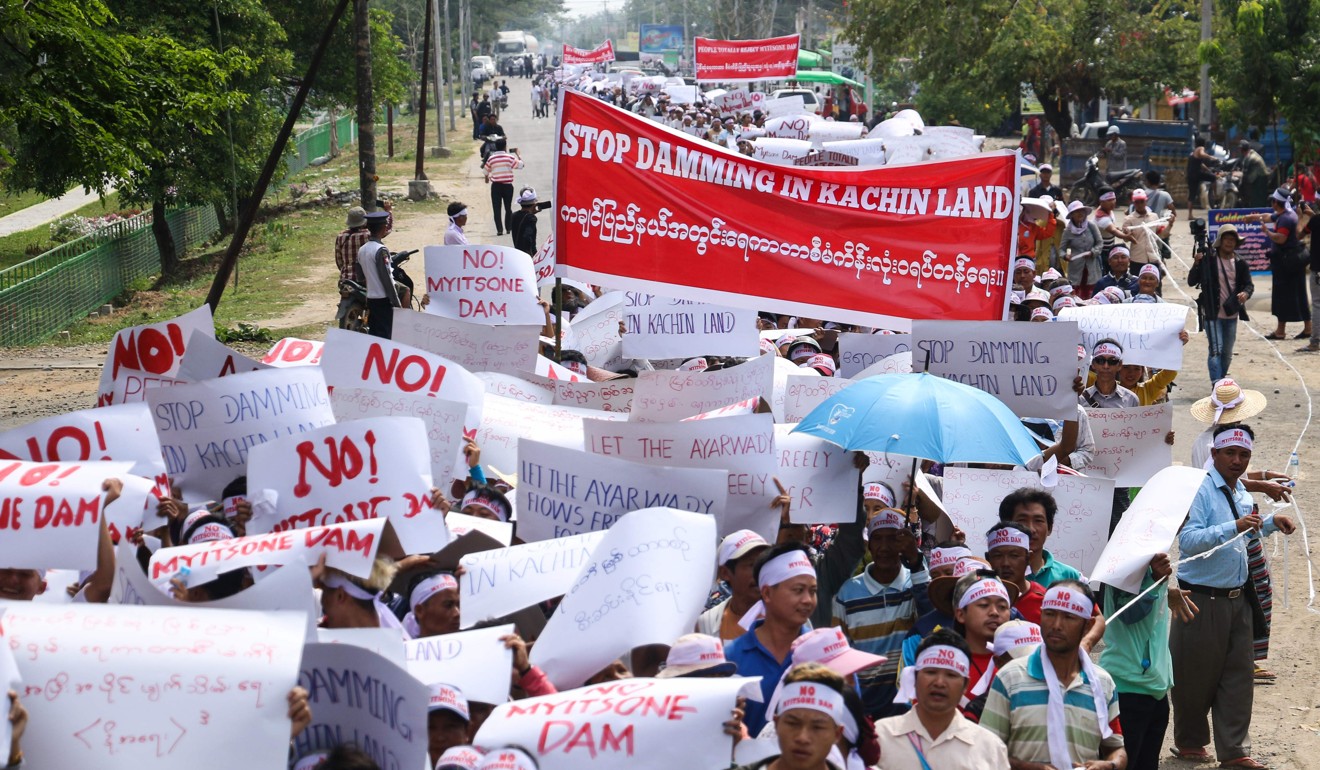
{"type": "Point", "coordinates": [47, 293]}
{"type": "Point", "coordinates": [315, 142]}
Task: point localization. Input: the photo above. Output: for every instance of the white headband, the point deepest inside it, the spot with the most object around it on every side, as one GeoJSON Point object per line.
{"type": "Point", "coordinates": [782, 568]}
{"type": "Point", "coordinates": [462, 213]}
{"type": "Point", "coordinates": [1022, 262]}
{"type": "Point", "coordinates": [386, 618]}
{"type": "Point", "coordinates": [430, 587]}
{"type": "Point", "coordinates": [886, 518]}
{"type": "Point", "coordinates": [947, 557]}
{"type": "Point", "coordinates": [1007, 537]}
{"type": "Point", "coordinates": [1235, 437]}
{"type": "Point", "coordinates": [938, 656]}
{"type": "Point", "coordinates": [1010, 637]}
{"type": "Point", "coordinates": [1073, 602]}
{"type": "Point", "coordinates": [878, 491]}
{"type": "Point", "coordinates": [1107, 349]}
{"type": "Point", "coordinates": [982, 589]}
{"type": "Point", "coordinates": [814, 696]}
{"type": "Point", "coordinates": [1068, 600]}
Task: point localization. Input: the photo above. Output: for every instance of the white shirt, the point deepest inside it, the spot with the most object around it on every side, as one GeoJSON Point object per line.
{"type": "Point", "coordinates": [366, 258]}
{"type": "Point", "coordinates": [454, 236]}
{"type": "Point", "coordinates": [962, 746]}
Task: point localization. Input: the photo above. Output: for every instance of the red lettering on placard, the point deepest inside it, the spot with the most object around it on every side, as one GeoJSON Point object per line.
{"type": "Point", "coordinates": [10, 516]}
{"type": "Point", "coordinates": [397, 372]}
{"type": "Point", "coordinates": [51, 512]}
{"type": "Point", "coordinates": [345, 462]}
{"type": "Point", "coordinates": [228, 367]}
{"type": "Point", "coordinates": [574, 737]}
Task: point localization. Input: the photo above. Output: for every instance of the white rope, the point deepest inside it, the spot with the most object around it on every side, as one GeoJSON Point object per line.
{"type": "Point", "coordinates": [1176, 564]}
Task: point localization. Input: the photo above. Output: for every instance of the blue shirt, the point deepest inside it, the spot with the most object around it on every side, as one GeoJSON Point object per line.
{"type": "Point", "coordinates": [1210, 523]}
{"type": "Point", "coordinates": [754, 659]}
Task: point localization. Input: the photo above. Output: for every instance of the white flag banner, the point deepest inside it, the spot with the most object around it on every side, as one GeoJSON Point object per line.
{"type": "Point", "coordinates": [819, 476]}
{"type": "Point", "coordinates": [362, 699]}
{"type": "Point", "coordinates": [502, 581]}
{"type": "Point", "coordinates": [859, 351]}
{"type": "Point", "coordinates": [504, 421]}
{"type": "Point", "coordinates": [565, 492]}
{"type": "Point", "coordinates": [291, 351]}
{"type": "Point", "coordinates": [378, 467]}
{"type": "Point", "coordinates": [804, 392]}
{"type": "Point", "coordinates": [482, 284]}
{"type": "Point", "coordinates": [1147, 528]}
{"type": "Point", "coordinates": [663, 564]}
{"type": "Point", "coordinates": [669, 396]}
{"type": "Point", "coordinates": [476, 662]}
{"type": "Point", "coordinates": [207, 358]}
{"type": "Point", "coordinates": [154, 687]}
{"type": "Point", "coordinates": [50, 513]}
{"type": "Point", "coordinates": [1147, 331]}
{"type": "Point", "coordinates": [443, 421]}
{"type": "Point", "coordinates": [1130, 444]}
{"type": "Point", "coordinates": [478, 347]}
{"type": "Point", "coordinates": [661, 327]}
{"type": "Point", "coordinates": [742, 446]}
{"type": "Point", "coordinates": [206, 429]}
{"type": "Point", "coordinates": [1029, 367]}
{"type": "Point", "coordinates": [148, 356]}
{"type": "Point", "coordinates": [1081, 525]}
{"type": "Point", "coordinates": [609, 730]}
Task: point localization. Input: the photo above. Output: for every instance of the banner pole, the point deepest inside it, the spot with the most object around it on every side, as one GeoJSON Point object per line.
{"type": "Point", "coordinates": [559, 319]}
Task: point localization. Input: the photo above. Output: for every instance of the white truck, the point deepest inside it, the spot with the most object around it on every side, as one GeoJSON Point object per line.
{"type": "Point", "coordinates": [514, 44]}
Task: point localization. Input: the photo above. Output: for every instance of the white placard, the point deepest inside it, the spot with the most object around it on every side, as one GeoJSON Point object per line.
{"type": "Point", "coordinates": [502, 581]}
{"type": "Point", "coordinates": [777, 150]}
{"type": "Point", "coordinates": [596, 331]}
{"type": "Point", "coordinates": [802, 393]}
{"type": "Point", "coordinates": [860, 351]}
{"type": "Point", "coordinates": [553, 371]}
{"type": "Point", "coordinates": [9, 680]}
{"type": "Point", "coordinates": [669, 396]}
{"type": "Point", "coordinates": [744, 446]}
{"type": "Point", "coordinates": [162, 687]}
{"type": "Point", "coordinates": [207, 358]}
{"type": "Point", "coordinates": [443, 420]}
{"type": "Point", "coordinates": [663, 562]}
{"type": "Point", "coordinates": [1148, 527]}
{"type": "Point", "coordinates": [1029, 367]}
{"type": "Point", "coordinates": [1147, 331]}
{"type": "Point", "coordinates": [482, 284]}
{"type": "Point", "coordinates": [945, 142]}
{"type": "Point", "coordinates": [543, 262]}
{"type": "Point", "coordinates": [608, 396]}
{"type": "Point", "coordinates": [50, 513]}
{"type": "Point", "coordinates": [378, 467]}
{"type": "Point", "coordinates": [134, 508]}
{"type": "Point", "coordinates": [868, 152]}
{"type": "Point", "coordinates": [791, 126]}
{"type": "Point", "coordinates": [682, 731]}
{"type": "Point", "coordinates": [660, 327]}
{"type": "Point", "coordinates": [460, 524]}
{"type": "Point", "coordinates": [361, 698]}
{"type": "Point", "coordinates": [565, 492]}
{"type": "Point", "coordinates": [349, 547]}
{"type": "Point", "coordinates": [206, 429]}
{"type": "Point", "coordinates": [505, 420]}
{"type": "Point", "coordinates": [820, 477]}
{"type": "Point", "coordinates": [739, 100]}
{"type": "Point", "coordinates": [148, 356]}
{"type": "Point", "coordinates": [477, 347]}
{"type": "Point", "coordinates": [899, 363]}
{"type": "Point", "coordinates": [526, 387]}
{"type": "Point", "coordinates": [785, 105]}
{"type": "Point", "coordinates": [476, 662]}
{"type": "Point", "coordinates": [385, 642]}
{"type": "Point", "coordinates": [121, 433]}
{"type": "Point", "coordinates": [291, 351]}
{"type": "Point", "coordinates": [835, 131]}
{"type": "Point", "coordinates": [784, 369]}
{"type": "Point", "coordinates": [1130, 444]}
{"type": "Point", "coordinates": [1081, 525]}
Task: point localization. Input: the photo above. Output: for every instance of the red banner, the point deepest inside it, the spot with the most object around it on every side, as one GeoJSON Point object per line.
{"type": "Point", "coordinates": [774, 58]}
{"type": "Point", "coordinates": [598, 55]}
{"type": "Point", "coordinates": [641, 206]}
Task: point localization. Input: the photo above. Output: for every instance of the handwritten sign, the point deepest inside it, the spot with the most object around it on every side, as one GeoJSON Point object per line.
{"type": "Point", "coordinates": [739, 100]}
{"type": "Point", "coordinates": [504, 421]}
{"type": "Point", "coordinates": [608, 396]}
{"type": "Point", "coordinates": [802, 393]}
{"type": "Point", "coordinates": [477, 347]}
{"type": "Point", "coordinates": [785, 105]}
{"type": "Point", "coordinates": [472, 661]}
{"type": "Point", "coordinates": [1148, 527]}
{"type": "Point", "coordinates": [596, 331]}
{"type": "Point", "coordinates": [566, 492]}
{"type": "Point", "coordinates": [349, 547]}
{"type": "Point", "coordinates": [9, 680]}
{"type": "Point", "coordinates": [1130, 444]}
{"type": "Point", "coordinates": [362, 699]}
{"type": "Point", "coordinates": [1081, 525]}
{"type": "Point", "coordinates": [126, 688]}
{"type": "Point", "coordinates": [663, 563]}
{"type": "Point", "coordinates": [143, 357]}
{"type": "Point", "coordinates": [551, 370]}
{"type": "Point", "coordinates": [460, 524]}
{"type": "Point", "coordinates": [206, 429]}
{"type": "Point", "coordinates": [868, 152]}
{"type": "Point", "coordinates": [659, 327]}
{"type": "Point", "coordinates": [820, 477]}
{"type": "Point", "coordinates": [502, 581]}
{"type": "Point", "coordinates": [291, 351]}
{"type": "Point", "coordinates": [741, 446]}
{"type": "Point", "coordinates": [207, 358]}
{"type": "Point", "coordinates": [378, 467]}
{"type": "Point", "coordinates": [899, 363]}
{"type": "Point", "coordinates": [526, 387]}
{"type": "Point", "coordinates": [778, 150]}
{"type": "Point", "coordinates": [1030, 367]}
{"type": "Point", "coordinates": [385, 642]}
{"type": "Point", "coordinates": [669, 396]}
{"type": "Point", "coordinates": [121, 433]}
{"type": "Point", "coordinates": [543, 262]}
{"type": "Point", "coordinates": [635, 723]}
{"type": "Point", "coordinates": [1147, 331]}
{"type": "Point", "coordinates": [443, 421]}
{"type": "Point", "coordinates": [860, 351]}
{"type": "Point", "coordinates": [482, 284]}
{"type": "Point", "coordinates": [50, 513]}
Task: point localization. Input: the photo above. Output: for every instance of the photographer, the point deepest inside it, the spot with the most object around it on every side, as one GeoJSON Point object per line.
{"type": "Point", "coordinates": [522, 224]}
{"type": "Point", "coordinates": [1225, 281]}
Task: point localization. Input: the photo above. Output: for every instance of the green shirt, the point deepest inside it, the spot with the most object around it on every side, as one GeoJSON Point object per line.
{"type": "Point", "coordinates": [1053, 571]}
{"type": "Point", "coordinates": [1136, 650]}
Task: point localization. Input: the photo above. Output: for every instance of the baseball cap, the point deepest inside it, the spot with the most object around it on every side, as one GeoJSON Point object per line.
{"type": "Point", "coordinates": [1138, 194]}
{"type": "Point", "coordinates": [821, 363]}
{"type": "Point", "coordinates": [738, 544]}
{"type": "Point", "coordinates": [697, 653]}
{"type": "Point", "coordinates": [507, 758]}
{"type": "Point", "coordinates": [830, 648]}
{"type": "Point", "coordinates": [1045, 167]}
{"type": "Point", "coordinates": [311, 761]}
{"type": "Point", "coordinates": [460, 758]}
{"type": "Point", "coordinates": [449, 698]}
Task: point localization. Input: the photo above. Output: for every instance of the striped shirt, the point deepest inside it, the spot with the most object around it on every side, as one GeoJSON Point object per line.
{"type": "Point", "coordinates": [876, 617]}
{"type": "Point", "coordinates": [1017, 705]}
{"type": "Point", "coordinates": [500, 165]}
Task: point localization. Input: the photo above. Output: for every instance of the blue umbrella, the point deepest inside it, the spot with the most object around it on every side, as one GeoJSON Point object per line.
{"type": "Point", "coordinates": [922, 415]}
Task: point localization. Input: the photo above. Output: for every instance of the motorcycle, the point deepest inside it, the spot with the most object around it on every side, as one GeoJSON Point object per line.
{"type": "Point", "coordinates": [488, 145]}
{"type": "Point", "coordinates": [353, 314]}
{"type": "Point", "coordinates": [1223, 191]}
{"type": "Point", "coordinates": [1087, 189]}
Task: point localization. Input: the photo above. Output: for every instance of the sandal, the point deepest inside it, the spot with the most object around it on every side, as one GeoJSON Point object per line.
{"type": "Point", "coordinates": [1303, 335]}
{"type": "Point", "coordinates": [1264, 674]}
{"type": "Point", "coordinates": [1191, 755]}
{"type": "Point", "coordinates": [1312, 348]}
{"type": "Point", "coordinates": [1276, 336]}
{"type": "Point", "coordinates": [1246, 762]}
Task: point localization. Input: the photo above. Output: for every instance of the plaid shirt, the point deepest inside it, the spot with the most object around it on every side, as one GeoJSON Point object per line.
{"type": "Point", "coordinates": [347, 244]}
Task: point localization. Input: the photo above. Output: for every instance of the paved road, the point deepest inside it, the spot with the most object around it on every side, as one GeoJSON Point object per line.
{"type": "Point", "coordinates": [45, 212]}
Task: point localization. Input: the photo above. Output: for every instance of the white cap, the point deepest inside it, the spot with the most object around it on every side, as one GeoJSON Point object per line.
{"type": "Point", "coordinates": [449, 698]}
{"type": "Point", "coordinates": [735, 545]}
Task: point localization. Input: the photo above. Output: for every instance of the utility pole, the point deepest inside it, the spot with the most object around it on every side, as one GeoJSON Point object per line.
{"type": "Point", "coordinates": [1207, 12]}
{"type": "Point", "coordinates": [434, 21]}
{"type": "Point", "coordinates": [418, 187]}
{"type": "Point", "coordinates": [449, 66]}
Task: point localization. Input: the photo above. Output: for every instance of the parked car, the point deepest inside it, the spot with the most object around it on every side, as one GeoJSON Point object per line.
{"type": "Point", "coordinates": [482, 69]}
{"type": "Point", "coordinates": [809, 99]}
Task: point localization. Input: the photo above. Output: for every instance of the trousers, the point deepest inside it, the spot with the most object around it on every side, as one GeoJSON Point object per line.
{"type": "Point", "coordinates": [1212, 674]}
{"type": "Point", "coordinates": [501, 202]}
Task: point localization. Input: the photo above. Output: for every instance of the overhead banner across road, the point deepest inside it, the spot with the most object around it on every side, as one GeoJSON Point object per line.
{"type": "Point", "coordinates": [642, 207]}
{"type": "Point", "coordinates": [717, 61]}
{"type": "Point", "coordinates": [598, 55]}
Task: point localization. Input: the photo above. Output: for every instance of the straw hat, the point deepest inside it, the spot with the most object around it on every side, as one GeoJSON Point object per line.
{"type": "Point", "coordinates": [1231, 401]}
